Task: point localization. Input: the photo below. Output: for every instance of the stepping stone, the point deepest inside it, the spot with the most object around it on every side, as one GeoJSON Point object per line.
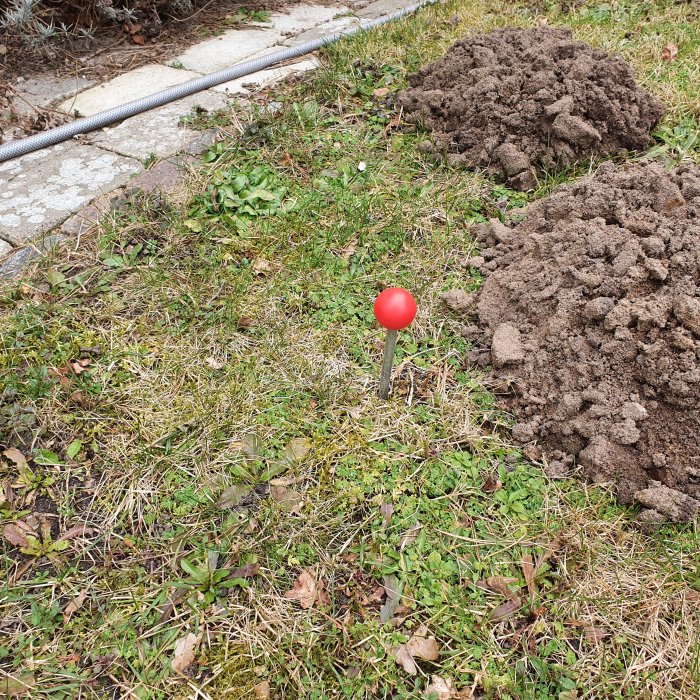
{"type": "Point", "coordinates": [45, 90]}
{"type": "Point", "coordinates": [157, 132]}
{"type": "Point", "coordinates": [303, 17]}
{"type": "Point", "coordinates": [264, 78]}
{"type": "Point", "coordinates": [331, 27]}
{"type": "Point", "coordinates": [128, 87]}
{"type": "Point", "coordinates": [42, 189]}
{"type": "Point", "coordinates": [383, 7]}
{"type": "Point", "coordinates": [234, 46]}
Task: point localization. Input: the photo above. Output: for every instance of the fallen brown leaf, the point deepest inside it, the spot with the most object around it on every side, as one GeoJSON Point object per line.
{"type": "Point", "coordinates": [491, 484]}
{"type": "Point", "coordinates": [245, 571]}
{"type": "Point", "coordinates": [184, 653]}
{"type": "Point", "coordinates": [16, 533]}
{"type": "Point", "coordinates": [420, 646]}
{"type": "Point", "coordinates": [80, 366]}
{"type": "Point", "coordinates": [13, 685]}
{"type": "Point", "coordinates": [410, 536]}
{"type": "Point", "coordinates": [394, 123]}
{"type": "Point", "coordinates": [76, 531]}
{"type": "Point", "coordinates": [74, 606]}
{"type": "Point", "coordinates": [374, 596]}
{"type": "Point", "coordinates": [304, 591]}
{"type": "Point", "coordinates": [669, 53]}
{"type": "Point", "coordinates": [214, 363]}
{"type": "Point", "coordinates": [405, 659]}
{"type": "Point", "coordinates": [233, 495]}
{"type": "Point", "coordinates": [392, 588]}
{"type": "Point", "coordinates": [261, 266]}
{"type": "Point", "coordinates": [463, 694]}
{"type": "Point", "coordinates": [423, 645]}
{"type": "Point", "coordinates": [289, 500]}
{"type": "Point", "coordinates": [14, 455]}
{"type": "Point", "coordinates": [595, 634]}
{"type": "Point", "coordinates": [386, 510]}
{"type": "Point", "coordinates": [500, 585]}
{"type": "Point", "coordinates": [442, 687]}
{"type": "Point", "coordinates": [528, 566]}
{"type": "Point", "coordinates": [506, 610]}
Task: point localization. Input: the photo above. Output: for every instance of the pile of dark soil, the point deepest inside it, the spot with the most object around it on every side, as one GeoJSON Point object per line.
{"type": "Point", "coordinates": [515, 99]}
{"type": "Point", "coordinates": [591, 313]}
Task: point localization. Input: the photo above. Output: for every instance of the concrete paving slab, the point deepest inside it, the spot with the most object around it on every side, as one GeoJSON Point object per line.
{"type": "Point", "coordinates": [130, 86]}
{"type": "Point", "coordinates": [334, 25]}
{"type": "Point", "coordinates": [158, 131]}
{"type": "Point", "coordinates": [46, 90]}
{"type": "Point", "coordinates": [233, 47]}
{"type": "Point", "coordinates": [303, 17]}
{"type": "Point", "coordinates": [42, 189]}
{"type": "Point", "coordinates": [264, 78]}
{"type": "Point", "coordinates": [382, 7]}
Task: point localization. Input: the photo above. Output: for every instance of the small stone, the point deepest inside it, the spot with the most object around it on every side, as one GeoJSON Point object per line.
{"type": "Point", "coordinates": [506, 346]}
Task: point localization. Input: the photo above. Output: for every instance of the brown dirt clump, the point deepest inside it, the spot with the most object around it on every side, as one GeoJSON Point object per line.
{"type": "Point", "coordinates": [591, 313]}
{"type": "Point", "coordinates": [518, 98]}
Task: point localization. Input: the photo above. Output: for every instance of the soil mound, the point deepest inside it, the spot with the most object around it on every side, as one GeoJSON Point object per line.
{"type": "Point", "coordinates": [591, 310]}
{"type": "Point", "coordinates": [514, 99]}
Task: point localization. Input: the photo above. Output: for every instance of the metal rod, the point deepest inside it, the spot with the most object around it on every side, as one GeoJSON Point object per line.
{"type": "Point", "coordinates": [387, 364]}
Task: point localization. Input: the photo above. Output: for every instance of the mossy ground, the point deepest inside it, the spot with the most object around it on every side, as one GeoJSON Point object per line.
{"type": "Point", "coordinates": [227, 343]}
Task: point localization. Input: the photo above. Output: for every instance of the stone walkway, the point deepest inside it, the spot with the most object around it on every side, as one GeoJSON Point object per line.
{"type": "Point", "coordinates": [53, 195]}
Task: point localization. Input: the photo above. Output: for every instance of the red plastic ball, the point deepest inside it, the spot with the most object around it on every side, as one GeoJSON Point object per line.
{"type": "Point", "coordinates": [395, 308]}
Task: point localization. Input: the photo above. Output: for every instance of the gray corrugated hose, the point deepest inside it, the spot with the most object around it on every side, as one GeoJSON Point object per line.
{"type": "Point", "coordinates": [20, 147]}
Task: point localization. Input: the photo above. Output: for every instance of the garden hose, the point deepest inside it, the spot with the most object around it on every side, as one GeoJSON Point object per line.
{"type": "Point", "coordinates": [20, 147]}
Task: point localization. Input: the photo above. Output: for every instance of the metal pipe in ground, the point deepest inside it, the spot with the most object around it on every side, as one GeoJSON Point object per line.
{"type": "Point", "coordinates": [20, 147]}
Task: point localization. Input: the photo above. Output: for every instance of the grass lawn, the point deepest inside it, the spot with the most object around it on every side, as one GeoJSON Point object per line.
{"type": "Point", "coordinates": [201, 473]}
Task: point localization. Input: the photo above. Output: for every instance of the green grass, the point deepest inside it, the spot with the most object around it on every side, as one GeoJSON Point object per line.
{"type": "Point", "coordinates": [230, 342]}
